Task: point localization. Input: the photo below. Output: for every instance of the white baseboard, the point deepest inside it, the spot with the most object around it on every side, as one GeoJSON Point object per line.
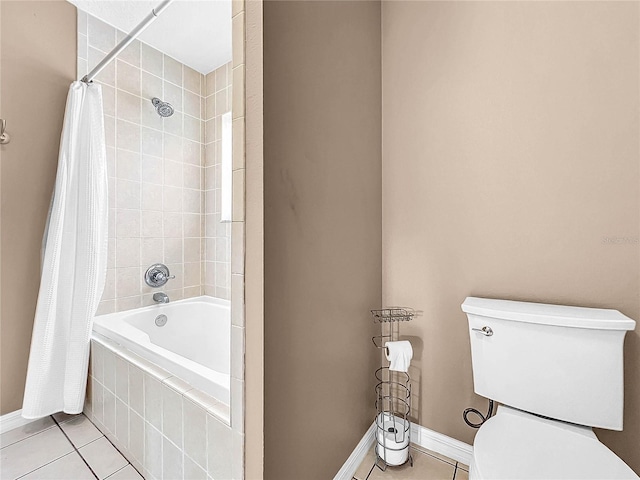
{"type": "Point", "coordinates": [442, 444]}
{"type": "Point", "coordinates": [13, 420]}
{"type": "Point", "coordinates": [349, 468]}
{"type": "Point", "coordinates": [421, 436]}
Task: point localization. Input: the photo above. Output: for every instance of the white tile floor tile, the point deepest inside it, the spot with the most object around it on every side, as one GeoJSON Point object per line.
{"type": "Point", "coordinates": [127, 473]}
{"type": "Point", "coordinates": [71, 466]}
{"type": "Point", "coordinates": [43, 450]}
{"type": "Point", "coordinates": [103, 457]}
{"type": "Point", "coordinates": [62, 417]}
{"type": "Point", "coordinates": [20, 433]}
{"type": "Point", "coordinates": [33, 452]}
{"type": "Point", "coordinates": [461, 474]}
{"type": "Point", "coordinates": [427, 465]}
{"type": "Point", "coordinates": [80, 431]}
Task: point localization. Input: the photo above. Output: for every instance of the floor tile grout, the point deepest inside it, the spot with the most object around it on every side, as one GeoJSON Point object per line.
{"type": "Point", "coordinates": [29, 436]}
{"type": "Point", "coordinates": [119, 470]}
{"type": "Point", "coordinates": [116, 448]}
{"type": "Point", "coordinates": [44, 464]}
{"type": "Point", "coordinates": [74, 447]}
{"type": "Point", "coordinates": [424, 451]}
{"type": "Point", "coordinates": [416, 453]}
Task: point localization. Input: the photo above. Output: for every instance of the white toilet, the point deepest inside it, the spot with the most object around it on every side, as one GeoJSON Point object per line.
{"type": "Point", "coordinates": [556, 371]}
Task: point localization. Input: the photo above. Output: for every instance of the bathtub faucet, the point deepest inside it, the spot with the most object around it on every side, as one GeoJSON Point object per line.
{"type": "Point", "coordinates": [160, 297]}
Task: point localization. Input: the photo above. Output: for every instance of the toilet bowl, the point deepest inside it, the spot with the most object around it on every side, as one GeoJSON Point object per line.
{"type": "Point", "coordinates": [557, 371]}
{"type": "Point", "coordinates": [518, 445]}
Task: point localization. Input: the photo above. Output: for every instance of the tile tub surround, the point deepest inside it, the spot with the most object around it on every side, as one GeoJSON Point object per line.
{"type": "Point", "coordinates": [217, 270]}
{"type": "Point", "coordinates": [155, 167]}
{"type": "Point", "coordinates": [162, 425]}
{"type": "Point", "coordinates": [152, 67]}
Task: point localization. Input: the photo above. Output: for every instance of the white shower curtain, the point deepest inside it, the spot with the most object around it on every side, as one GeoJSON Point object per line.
{"type": "Point", "coordinates": [74, 262]}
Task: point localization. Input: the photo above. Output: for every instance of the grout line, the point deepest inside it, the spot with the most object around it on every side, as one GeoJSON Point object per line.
{"type": "Point", "coordinates": [426, 452]}
{"type": "Point", "coordinates": [74, 446]}
{"type": "Point", "coordinates": [111, 475]}
{"type": "Point", "coordinates": [370, 471]}
{"type": "Point", "coordinates": [45, 464]}
{"type": "Point", "coordinates": [28, 436]}
{"type": "Point", "coordinates": [112, 444]}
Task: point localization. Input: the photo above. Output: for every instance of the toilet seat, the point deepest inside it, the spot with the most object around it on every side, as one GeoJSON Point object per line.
{"type": "Point", "coordinates": [519, 445]}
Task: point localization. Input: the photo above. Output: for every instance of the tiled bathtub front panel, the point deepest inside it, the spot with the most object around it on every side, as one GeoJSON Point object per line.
{"type": "Point", "coordinates": [164, 427]}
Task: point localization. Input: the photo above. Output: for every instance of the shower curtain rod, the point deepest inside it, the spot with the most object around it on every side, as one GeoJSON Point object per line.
{"type": "Point", "coordinates": [127, 40]}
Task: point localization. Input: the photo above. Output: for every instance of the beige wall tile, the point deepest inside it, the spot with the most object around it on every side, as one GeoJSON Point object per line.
{"type": "Point", "coordinates": [173, 95]}
{"type": "Point", "coordinates": [127, 222]}
{"type": "Point", "coordinates": [151, 60]}
{"type": "Point", "coordinates": [128, 107]}
{"type": "Point", "coordinates": [152, 142]}
{"type": "Point", "coordinates": [238, 92]}
{"type": "Point", "coordinates": [237, 300]}
{"type": "Point", "coordinates": [108, 74]}
{"type": "Point", "coordinates": [127, 252]}
{"type": "Point", "coordinates": [101, 35]}
{"type": "Point", "coordinates": [238, 195]}
{"type": "Point", "coordinates": [108, 99]}
{"type": "Point", "coordinates": [237, 247]}
{"type": "Point", "coordinates": [172, 70]}
{"type": "Point", "coordinates": [128, 77]}
{"type": "Point", "coordinates": [131, 54]}
{"type": "Point", "coordinates": [218, 448]}
{"type": "Point", "coordinates": [237, 6]}
{"type": "Point", "coordinates": [128, 135]}
{"type": "Point", "coordinates": [238, 143]}
{"type": "Point", "coordinates": [192, 104]}
{"type": "Point", "coordinates": [210, 83]}
{"type": "Point", "coordinates": [191, 80]}
{"type": "Point", "coordinates": [128, 165]}
{"type": "Point", "coordinates": [238, 39]}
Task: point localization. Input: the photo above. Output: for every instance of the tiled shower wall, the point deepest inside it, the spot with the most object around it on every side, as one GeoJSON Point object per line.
{"type": "Point", "coordinates": [156, 180]}
{"type": "Point", "coordinates": [218, 234]}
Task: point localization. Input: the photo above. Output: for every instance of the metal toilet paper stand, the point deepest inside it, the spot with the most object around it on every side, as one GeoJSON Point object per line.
{"type": "Point", "coordinates": [393, 394]}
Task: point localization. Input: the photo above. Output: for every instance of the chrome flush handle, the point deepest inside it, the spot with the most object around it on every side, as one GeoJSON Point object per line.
{"type": "Point", "coordinates": [486, 331]}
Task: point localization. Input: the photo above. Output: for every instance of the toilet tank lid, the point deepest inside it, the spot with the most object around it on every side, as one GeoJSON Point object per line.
{"type": "Point", "coordinates": [546, 314]}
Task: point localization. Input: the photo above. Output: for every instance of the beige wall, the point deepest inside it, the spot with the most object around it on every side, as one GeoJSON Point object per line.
{"type": "Point", "coordinates": [38, 64]}
{"type": "Point", "coordinates": [511, 141]}
{"type": "Point", "coordinates": [322, 222]}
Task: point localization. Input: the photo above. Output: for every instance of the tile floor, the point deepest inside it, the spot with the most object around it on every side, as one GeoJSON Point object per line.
{"type": "Point", "coordinates": [427, 465]}
{"type": "Point", "coordinates": [61, 447]}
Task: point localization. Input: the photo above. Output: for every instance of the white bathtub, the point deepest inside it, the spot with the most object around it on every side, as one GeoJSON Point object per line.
{"type": "Point", "coordinates": [193, 345]}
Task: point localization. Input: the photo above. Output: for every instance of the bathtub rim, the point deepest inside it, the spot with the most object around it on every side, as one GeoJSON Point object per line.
{"type": "Point", "coordinates": [138, 343]}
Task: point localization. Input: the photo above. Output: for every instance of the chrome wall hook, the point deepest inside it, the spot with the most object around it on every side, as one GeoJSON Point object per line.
{"type": "Point", "coordinates": [4, 136]}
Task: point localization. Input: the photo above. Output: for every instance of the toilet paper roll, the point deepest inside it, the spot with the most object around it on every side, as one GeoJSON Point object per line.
{"type": "Point", "coordinates": [392, 444]}
{"type": "Point", "coordinates": [399, 355]}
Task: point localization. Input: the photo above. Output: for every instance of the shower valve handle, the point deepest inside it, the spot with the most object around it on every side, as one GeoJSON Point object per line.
{"type": "Point", "coordinates": [157, 275]}
{"type": "Point", "coordinates": [160, 277]}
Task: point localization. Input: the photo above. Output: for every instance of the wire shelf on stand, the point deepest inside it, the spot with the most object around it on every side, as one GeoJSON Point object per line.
{"type": "Point", "coordinates": [393, 314]}
{"type": "Point", "coordinates": [393, 395]}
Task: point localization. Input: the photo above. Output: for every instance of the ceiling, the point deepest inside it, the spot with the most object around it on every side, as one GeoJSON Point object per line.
{"type": "Point", "coordinates": [194, 32]}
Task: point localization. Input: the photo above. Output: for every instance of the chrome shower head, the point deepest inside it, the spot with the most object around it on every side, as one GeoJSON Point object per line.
{"type": "Point", "coordinates": [164, 109]}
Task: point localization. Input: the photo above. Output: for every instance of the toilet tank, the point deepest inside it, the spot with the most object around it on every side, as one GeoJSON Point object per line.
{"type": "Point", "coordinates": [557, 361]}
